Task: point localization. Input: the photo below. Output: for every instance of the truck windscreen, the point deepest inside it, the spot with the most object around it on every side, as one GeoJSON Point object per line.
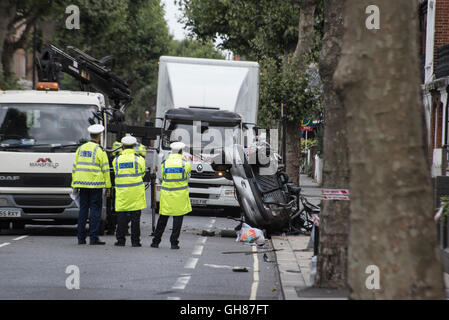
{"type": "Point", "coordinates": [210, 137]}
{"type": "Point", "coordinates": [28, 124]}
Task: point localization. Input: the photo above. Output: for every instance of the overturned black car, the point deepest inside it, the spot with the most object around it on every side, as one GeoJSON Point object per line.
{"type": "Point", "coordinates": [268, 199]}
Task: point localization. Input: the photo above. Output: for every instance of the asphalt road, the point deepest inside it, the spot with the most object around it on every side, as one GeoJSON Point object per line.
{"type": "Point", "coordinates": [40, 261]}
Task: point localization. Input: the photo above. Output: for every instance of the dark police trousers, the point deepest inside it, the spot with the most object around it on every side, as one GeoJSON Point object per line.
{"type": "Point", "coordinates": [160, 228]}
{"type": "Point", "coordinates": [123, 217]}
{"type": "Point", "coordinates": [90, 200]}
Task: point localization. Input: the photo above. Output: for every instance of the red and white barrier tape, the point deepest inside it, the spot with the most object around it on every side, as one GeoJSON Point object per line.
{"type": "Point", "coordinates": [316, 220]}
{"type": "Point", "coordinates": [335, 194]}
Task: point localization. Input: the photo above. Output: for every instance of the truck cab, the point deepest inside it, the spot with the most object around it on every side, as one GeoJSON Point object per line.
{"type": "Point", "coordinates": [202, 130]}
{"type": "Point", "coordinates": [39, 134]}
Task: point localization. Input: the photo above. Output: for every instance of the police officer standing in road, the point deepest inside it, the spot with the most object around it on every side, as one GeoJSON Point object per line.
{"type": "Point", "coordinates": [174, 199]}
{"type": "Point", "coordinates": [130, 199]}
{"type": "Point", "coordinates": [90, 175]}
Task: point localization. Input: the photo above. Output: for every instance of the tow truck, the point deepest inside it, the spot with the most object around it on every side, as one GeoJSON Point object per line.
{"type": "Point", "coordinates": [41, 129]}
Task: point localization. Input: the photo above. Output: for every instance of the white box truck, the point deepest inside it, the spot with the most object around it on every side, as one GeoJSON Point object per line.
{"type": "Point", "coordinates": [205, 96]}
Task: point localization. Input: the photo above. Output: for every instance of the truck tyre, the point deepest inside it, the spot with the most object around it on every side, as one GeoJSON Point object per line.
{"type": "Point", "coordinates": [18, 225]}
{"type": "Point", "coordinates": [4, 225]}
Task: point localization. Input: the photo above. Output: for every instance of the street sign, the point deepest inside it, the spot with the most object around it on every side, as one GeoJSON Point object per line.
{"type": "Point", "coordinates": [306, 128]}
{"type": "Point", "coordinates": [307, 121]}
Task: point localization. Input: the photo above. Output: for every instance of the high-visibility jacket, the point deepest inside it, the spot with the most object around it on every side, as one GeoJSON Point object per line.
{"type": "Point", "coordinates": [174, 199]}
{"type": "Point", "coordinates": [141, 150]}
{"type": "Point", "coordinates": [129, 170]}
{"type": "Point", "coordinates": [91, 167]}
{"type": "Point", "coordinates": [116, 145]}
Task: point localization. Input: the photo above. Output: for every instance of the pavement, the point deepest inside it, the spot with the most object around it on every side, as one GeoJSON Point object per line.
{"type": "Point", "coordinates": [294, 256]}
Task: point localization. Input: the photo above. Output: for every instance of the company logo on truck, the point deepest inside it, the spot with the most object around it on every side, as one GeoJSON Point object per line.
{"type": "Point", "coordinates": [9, 178]}
{"type": "Point", "coordinates": [44, 162]}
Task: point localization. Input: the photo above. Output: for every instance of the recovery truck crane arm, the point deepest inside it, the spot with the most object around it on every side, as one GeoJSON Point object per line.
{"type": "Point", "coordinates": [91, 72]}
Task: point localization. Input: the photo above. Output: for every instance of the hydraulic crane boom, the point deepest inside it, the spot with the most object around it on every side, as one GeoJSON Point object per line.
{"type": "Point", "coordinates": [84, 68]}
{"type": "Point", "coordinates": [91, 72]}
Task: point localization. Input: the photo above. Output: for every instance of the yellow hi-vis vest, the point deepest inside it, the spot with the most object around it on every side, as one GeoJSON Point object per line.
{"type": "Point", "coordinates": [129, 170]}
{"type": "Point", "coordinates": [174, 200]}
{"type": "Point", "coordinates": [141, 150]}
{"type": "Point", "coordinates": [117, 146]}
{"type": "Point", "coordinates": [91, 167]}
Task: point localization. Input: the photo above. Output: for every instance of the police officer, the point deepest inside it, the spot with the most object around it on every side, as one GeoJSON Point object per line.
{"type": "Point", "coordinates": [117, 148]}
{"type": "Point", "coordinates": [91, 174]}
{"type": "Point", "coordinates": [141, 150]}
{"type": "Point", "coordinates": [174, 200]}
{"type": "Point", "coordinates": [130, 199]}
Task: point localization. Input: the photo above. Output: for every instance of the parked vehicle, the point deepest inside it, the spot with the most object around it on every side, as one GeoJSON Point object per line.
{"type": "Point", "coordinates": [41, 129]}
{"type": "Point", "coordinates": [215, 100]}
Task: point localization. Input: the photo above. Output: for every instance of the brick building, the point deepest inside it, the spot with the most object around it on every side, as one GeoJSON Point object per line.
{"type": "Point", "coordinates": [434, 18]}
{"type": "Point", "coordinates": [434, 24]}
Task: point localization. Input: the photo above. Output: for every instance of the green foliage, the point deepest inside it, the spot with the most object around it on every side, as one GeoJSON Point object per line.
{"type": "Point", "coordinates": [265, 31]}
{"type": "Point", "coordinates": [307, 144]}
{"type": "Point", "coordinates": [251, 28]}
{"type": "Point", "coordinates": [299, 90]}
{"type": "Point", "coordinates": [8, 83]}
{"type": "Point", "coordinates": [310, 168]}
{"type": "Point", "coordinates": [319, 135]}
{"type": "Point", "coordinates": [133, 32]}
{"type": "Point", "coordinates": [194, 49]}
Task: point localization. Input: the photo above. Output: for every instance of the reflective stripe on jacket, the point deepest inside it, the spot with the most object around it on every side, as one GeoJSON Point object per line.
{"type": "Point", "coordinates": [129, 170]}
{"type": "Point", "coordinates": [91, 167]}
{"type": "Point", "coordinates": [174, 199]}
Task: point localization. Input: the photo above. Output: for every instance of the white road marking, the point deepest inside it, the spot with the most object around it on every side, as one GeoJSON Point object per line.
{"type": "Point", "coordinates": [20, 238]}
{"type": "Point", "coordinates": [4, 244]}
{"type": "Point", "coordinates": [255, 275]}
{"type": "Point", "coordinates": [191, 263]}
{"type": "Point", "coordinates": [202, 240]}
{"type": "Point", "coordinates": [211, 223]}
{"type": "Point", "coordinates": [173, 298]}
{"type": "Point", "coordinates": [217, 266]}
{"type": "Point", "coordinates": [181, 282]}
{"type": "Point", "coordinates": [198, 250]}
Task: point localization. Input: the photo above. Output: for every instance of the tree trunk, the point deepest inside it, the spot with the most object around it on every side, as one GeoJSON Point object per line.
{"type": "Point", "coordinates": [306, 35]}
{"type": "Point", "coordinates": [293, 150]}
{"type": "Point", "coordinates": [7, 13]}
{"type": "Point", "coordinates": [392, 236]}
{"type": "Point", "coordinates": [306, 38]}
{"type": "Point", "coordinates": [334, 216]}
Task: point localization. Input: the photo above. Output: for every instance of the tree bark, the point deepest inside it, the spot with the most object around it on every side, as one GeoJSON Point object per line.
{"type": "Point", "coordinates": [391, 225]}
{"type": "Point", "coordinates": [306, 38]}
{"type": "Point", "coordinates": [7, 13]}
{"type": "Point", "coordinates": [306, 35]}
{"type": "Point", "coordinates": [293, 148]}
{"type": "Point", "coordinates": [334, 216]}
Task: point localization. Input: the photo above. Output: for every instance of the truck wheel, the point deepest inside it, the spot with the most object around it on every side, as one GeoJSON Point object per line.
{"type": "Point", "coordinates": [18, 225]}
{"type": "Point", "coordinates": [4, 225]}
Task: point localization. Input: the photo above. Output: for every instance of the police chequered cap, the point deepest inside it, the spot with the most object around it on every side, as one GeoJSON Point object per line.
{"type": "Point", "coordinates": [95, 129]}
{"type": "Point", "coordinates": [176, 146]}
{"type": "Point", "coordinates": [128, 140]}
